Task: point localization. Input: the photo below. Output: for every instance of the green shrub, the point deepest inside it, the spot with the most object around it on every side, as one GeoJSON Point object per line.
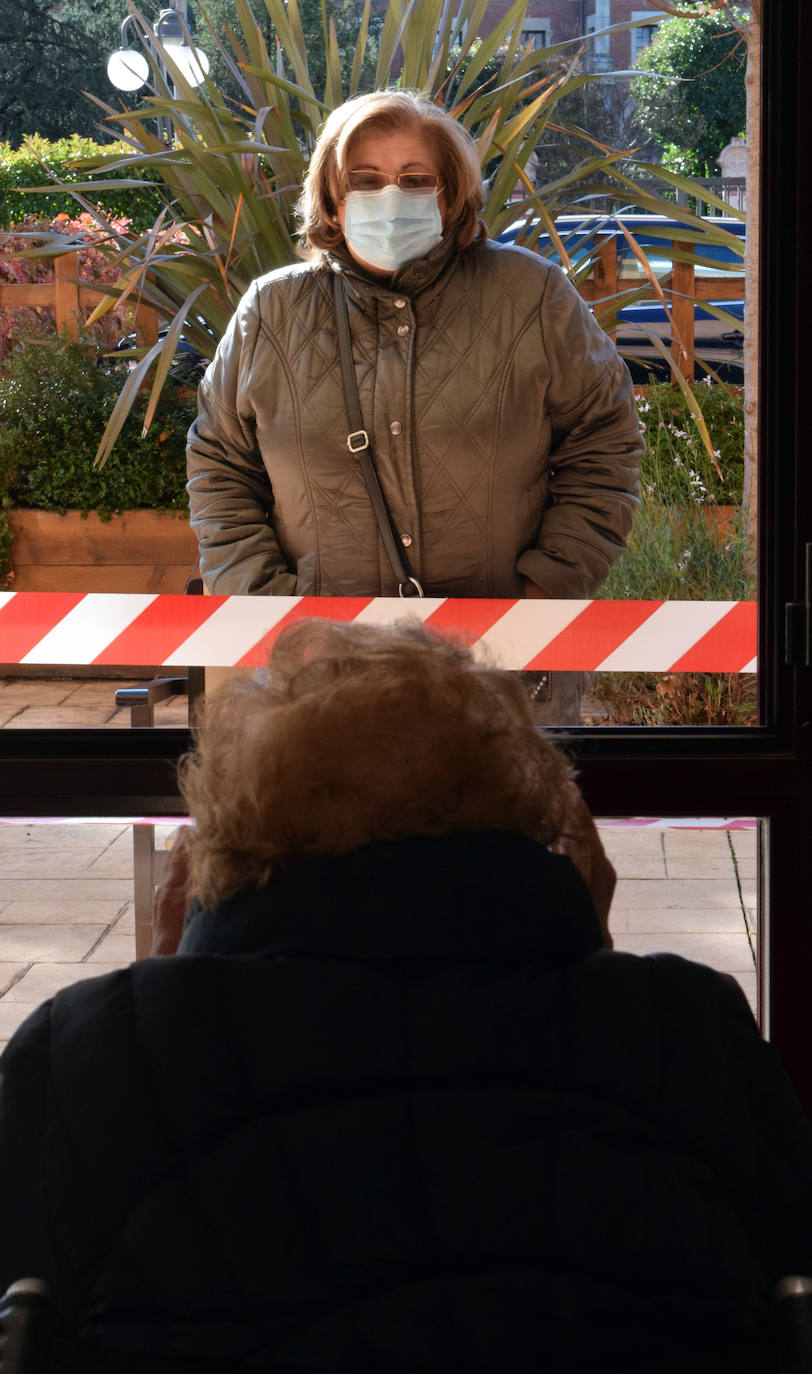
{"type": "Point", "coordinates": [684, 548]}
{"type": "Point", "coordinates": [678, 698]}
{"type": "Point", "coordinates": [31, 165]}
{"type": "Point", "coordinates": [677, 469]}
{"type": "Point", "coordinates": [682, 554]}
{"type": "Point", "coordinates": [55, 399]}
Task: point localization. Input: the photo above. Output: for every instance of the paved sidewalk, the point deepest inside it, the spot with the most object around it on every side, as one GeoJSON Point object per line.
{"type": "Point", "coordinates": [66, 909]}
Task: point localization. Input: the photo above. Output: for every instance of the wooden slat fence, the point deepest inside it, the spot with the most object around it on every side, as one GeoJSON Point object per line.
{"type": "Point", "coordinates": [680, 288]}
{"type": "Point", "coordinates": [67, 296]}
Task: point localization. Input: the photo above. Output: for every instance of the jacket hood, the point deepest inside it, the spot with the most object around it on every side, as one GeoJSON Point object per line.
{"type": "Point", "coordinates": [497, 896]}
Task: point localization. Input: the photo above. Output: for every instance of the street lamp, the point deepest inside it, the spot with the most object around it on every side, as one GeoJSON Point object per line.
{"type": "Point", "coordinates": [128, 68]}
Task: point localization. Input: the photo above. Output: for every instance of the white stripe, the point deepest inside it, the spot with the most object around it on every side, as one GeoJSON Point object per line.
{"type": "Point", "coordinates": [89, 628]}
{"type": "Point", "coordinates": [5, 597]}
{"type": "Point", "coordinates": [751, 667]}
{"type": "Point", "coordinates": [667, 634]}
{"type": "Point", "coordinates": [388, 610]}
{"type": "Point", "coordinates": [231, 630]}
{"type": "Point", "coordinates": [525, 629]}
{"type": "Point", "coordinates": [678, 823]}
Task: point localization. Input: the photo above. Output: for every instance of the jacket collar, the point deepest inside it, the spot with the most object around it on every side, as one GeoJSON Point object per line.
{"type": "Point", "coordinates": [413, 279]}
{"type": "Point", "coordinates": [497, 896]}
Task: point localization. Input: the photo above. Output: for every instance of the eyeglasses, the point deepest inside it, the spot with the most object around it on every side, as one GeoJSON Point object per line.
{"type": "Point", "coordinates": [363, 180]}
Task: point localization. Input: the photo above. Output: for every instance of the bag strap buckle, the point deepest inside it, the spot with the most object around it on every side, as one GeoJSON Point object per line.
{"type": "Point", "coordinates": [357, 441]}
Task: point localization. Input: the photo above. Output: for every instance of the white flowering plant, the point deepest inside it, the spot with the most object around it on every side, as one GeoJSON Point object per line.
{"type": "Point", "coordinates": [679, 468]}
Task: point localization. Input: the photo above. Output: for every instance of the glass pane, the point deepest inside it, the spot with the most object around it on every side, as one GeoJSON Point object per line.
{"type": "Point", "coordinates": [66, 907]}
{"type": "Point", "coordinates": [688, 887]}
{"type": "Point", "coordinates": [685, 886]}
{"type": "Point", "coordinates": [669, 287]}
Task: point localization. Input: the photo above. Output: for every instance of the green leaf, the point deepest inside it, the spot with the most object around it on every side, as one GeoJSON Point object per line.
{"type": "Point", "coordinates": [122, 407]}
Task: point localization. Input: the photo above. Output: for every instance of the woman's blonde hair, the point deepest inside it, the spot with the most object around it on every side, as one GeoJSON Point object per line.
{"type": "Point", "coordinates": [389, 112]}
{"type": "Point", "coordinates": [359, 734]}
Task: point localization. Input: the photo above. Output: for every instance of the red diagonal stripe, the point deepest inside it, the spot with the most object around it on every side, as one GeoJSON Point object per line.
{"type": "Point", "coordinates": [161, 627]}
{"type": "Point", "coordinates": [28, 617]}
{"type": "Point", "coordinates": [594, 634]}
{"type": "Point", "coordinates": [727, 647]}
{"type": "Point", "coordinates": [325, 607]}
{"type": "Point", "coordinates": [468, 619]}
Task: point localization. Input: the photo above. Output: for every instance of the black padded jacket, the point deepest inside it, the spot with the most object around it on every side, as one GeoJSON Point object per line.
{"type": "Point", "coordinates": [398, 1111]}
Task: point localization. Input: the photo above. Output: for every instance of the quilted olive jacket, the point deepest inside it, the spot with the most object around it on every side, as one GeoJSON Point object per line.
{"type": "Point", "coordinates": [502, 421]}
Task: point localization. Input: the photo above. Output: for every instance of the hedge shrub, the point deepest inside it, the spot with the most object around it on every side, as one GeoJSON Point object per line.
{"type": "Point", "coordinates": [55, 398]}
{"type": "Point", "coordinates": [29, 165]}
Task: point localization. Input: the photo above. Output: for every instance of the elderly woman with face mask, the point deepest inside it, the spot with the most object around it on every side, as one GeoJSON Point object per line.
{"type": "Point", "coordinates": [499, 419]}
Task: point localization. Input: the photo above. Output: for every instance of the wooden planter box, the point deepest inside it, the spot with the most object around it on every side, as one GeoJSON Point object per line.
{"type": "Point", "coordinates": [138, 551]}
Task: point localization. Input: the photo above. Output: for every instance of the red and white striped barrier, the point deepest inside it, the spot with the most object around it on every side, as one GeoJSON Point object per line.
{"type": "Point", "coordinates": [219, 631]}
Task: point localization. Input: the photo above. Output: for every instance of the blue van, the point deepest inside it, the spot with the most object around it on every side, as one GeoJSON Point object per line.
{"type": "Point", "coordinates": [718, 343]}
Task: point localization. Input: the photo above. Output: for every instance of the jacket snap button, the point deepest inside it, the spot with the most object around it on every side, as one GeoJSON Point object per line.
{"type": "Point", "coordinates": [400, 302]}
{"type": "Point", "coordinates": [396, 427]}
{"type": "Point", "coordinates": [405, 540]}
{"type": "Point", "coordinates": [403, 329]}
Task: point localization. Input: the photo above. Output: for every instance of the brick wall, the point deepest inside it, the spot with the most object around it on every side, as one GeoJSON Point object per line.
{"type": "Point", "coordinates": [564, 21]}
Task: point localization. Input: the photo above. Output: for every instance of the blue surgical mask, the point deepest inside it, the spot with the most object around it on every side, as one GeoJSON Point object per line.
{"type": "Point", "coordinates": [390, 227]}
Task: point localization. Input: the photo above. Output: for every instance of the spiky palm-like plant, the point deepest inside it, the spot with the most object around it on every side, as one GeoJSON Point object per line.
{"type": "Point", "coordinates": [232, 175]}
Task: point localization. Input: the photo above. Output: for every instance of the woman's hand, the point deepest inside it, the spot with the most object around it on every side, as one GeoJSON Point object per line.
{"type": "Point", "coordinates": [580, 841]}
{"type": "Point", "coordinates": [533, 592]}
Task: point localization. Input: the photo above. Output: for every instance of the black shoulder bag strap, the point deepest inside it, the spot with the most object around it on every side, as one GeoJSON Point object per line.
{"type": "Point", "coordinates": [358, 442]}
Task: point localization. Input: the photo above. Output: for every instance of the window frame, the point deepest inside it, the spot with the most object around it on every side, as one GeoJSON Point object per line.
{"type": "Point", "coordinates": [535, 24]}
{"type": "Point", "coordinates": [635, 46]}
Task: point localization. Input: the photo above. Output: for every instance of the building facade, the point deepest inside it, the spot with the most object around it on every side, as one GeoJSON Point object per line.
{"type": "Point", "coordinates": [558, 21]}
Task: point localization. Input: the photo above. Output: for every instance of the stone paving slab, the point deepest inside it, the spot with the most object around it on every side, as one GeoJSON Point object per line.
{"type": "Point", "coordinates": [116, 947]}
{"type": "Point", "coordinates": [22, 911]}
{"type": "Point", "coordinates": [92, 835]}
{"type": "Point", "coordinates": [60, 718]}
{"type": "Point", "coordinates": [86, 888]}
{"type": "Point", "coordinates": [686, 893]}
{"type": "Point", "coordinates": [43, 980]}
{"type": "Point", "coordinates": [40, 943]}
{"type": "Point", "coordinates": [12, 1015]}
{"type": "Point", "coordinates": [9, 973]}
{"type": "Point", "coordinates": [94, 694]}
{"type": "Point", "coordinates": [22, 692]}
{"type": "Point", "coordinates": [727, 953]}
{"type": "Point", "coordinates": [70, 864]}
{"type": "Point", "coordinates": [715, 920]}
